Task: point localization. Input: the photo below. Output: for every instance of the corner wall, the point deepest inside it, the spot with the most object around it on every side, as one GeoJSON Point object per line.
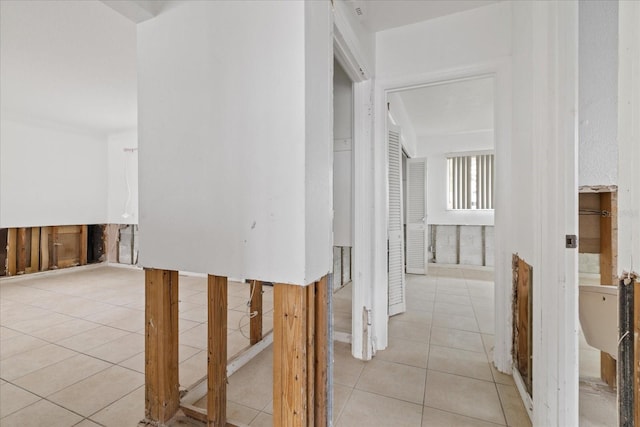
{"type": "Point", "coordinates": [249, 182]}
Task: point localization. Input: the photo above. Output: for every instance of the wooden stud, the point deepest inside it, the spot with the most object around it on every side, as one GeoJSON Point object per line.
{"type": "Point", "coordinates": [35, 249]}
{"type": "Point", "coordinates": [217, 347]}
{"type": "Point", "coordinates": [22, 249]}
{"type": "Point", "coordinates": [44, 248]}
{"type": "Point", "coordinates": [608, 268]}
{"type": "Point", "coordinates": [290, 362]}
{"type": "Point", "coordinates": [12, 241]}
{"type": "Point", "coordinates": [311, 353]}
{"type": "Point", "coordinates": [162, 394]}
{"type": "Point", "coordinates": [84, 242]}
{"type": "Point", "coordinates": [255, 322]}
{"type": "Point", "coordinates": [322, 344]}
{"type": "Point", "coordinates": [54, 251]}
{"type": "Point", "coordinates": [636, 351]}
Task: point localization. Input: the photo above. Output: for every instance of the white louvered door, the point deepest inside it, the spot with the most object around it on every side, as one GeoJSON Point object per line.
{"type": "Point", "coordinates": [397, 301]}
{"type": "Point", "coordinates": [417, 216]}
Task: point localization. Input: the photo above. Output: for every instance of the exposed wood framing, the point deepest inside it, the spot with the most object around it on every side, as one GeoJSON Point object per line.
{"type": "Point", "coordinates": [626, 358]}
{"type": "Point", "coordinates": [35, 249]}
{"type": "Point", "coordinates": [44, 248]}
{"type": "Point", "coordinates": [54, 250]}
{"type": "Point", "coordinates": [22, 250]}
{"type": "Point", "coordinates": [290, 375]}
{"type": "Point", "coordinates": [322, 344]}
{"type": "Point", "coordinates": [217, 348]}
{"type": "Point", "coordinates": [522, 321]}
{"type": "Point", "coordinates": [84, 240]}
{"type": "Point", "coordinates": [636, 349]}
{"type": "Point", "coordinates": [608, 267]}
{"type": "Point", "coordinates": [12, 243]}
{"type": "Point", "coordinates": [300, 354]}
{"type": "Point", "coordinates": [255, 322]}
{"type": "Point", "coordinates": [311, 353]}
{"type": "Point", "coordinates": [162, 397]}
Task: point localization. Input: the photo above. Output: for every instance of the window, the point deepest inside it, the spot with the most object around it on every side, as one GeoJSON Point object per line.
{"type": "Point", "coordinates": [470, 179]}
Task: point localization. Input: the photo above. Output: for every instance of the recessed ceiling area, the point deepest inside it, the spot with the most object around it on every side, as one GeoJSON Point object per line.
{"type": "Point", "coordinates": [449, 108]}
{"type": "Point", "coordinates": [68, 63]}
{"type": "Point", "coordinates": [381, 15]}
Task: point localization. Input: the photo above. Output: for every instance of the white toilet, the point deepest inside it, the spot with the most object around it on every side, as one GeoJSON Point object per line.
{"type": "Point", "coordinates": [599, 317]}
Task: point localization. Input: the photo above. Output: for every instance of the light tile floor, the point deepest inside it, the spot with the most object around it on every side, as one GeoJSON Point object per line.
{"type": "Point", "coordinates": [435, 371]}
{"type": "Point", "coordinates": [72, 353]}
{"type": "Point", "coordinates": [72, 344]}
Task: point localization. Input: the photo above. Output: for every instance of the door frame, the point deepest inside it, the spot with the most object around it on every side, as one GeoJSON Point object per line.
{"type": "Point", "coordinates": [346, 51]}
{"type": "Point", "coordinates": [500, 71]}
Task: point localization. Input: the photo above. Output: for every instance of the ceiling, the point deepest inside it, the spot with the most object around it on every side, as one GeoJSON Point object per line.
{"type": "Point", "coordinates": [70, 63]}
{"type": "Point", "coordinates": [73, 63]}
{"type": "Point", "coordinates": [379, 15]}
{"type": "Point", "coordinates": [450, 108]}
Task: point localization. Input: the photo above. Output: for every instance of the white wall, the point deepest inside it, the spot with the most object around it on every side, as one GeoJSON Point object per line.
{"type": "Point", "coordinates": [51, 176]}
{"type": "Point", "coordinates": [465, 38]}
{"type": "Point", "coordinates": [230, 187]}
{"type": "Point", "coordinates": [598, 92]}
{"type": "Point", "coordinates": [342, 158]}
{"type": "Point", "coordinates": [122, 183]}
{"type": "Point", "coordinates": [401, 117]}
{"type": "Point", "coordinates": [629, 137]}
{"type": "Point", "coordinates": [435, 148]}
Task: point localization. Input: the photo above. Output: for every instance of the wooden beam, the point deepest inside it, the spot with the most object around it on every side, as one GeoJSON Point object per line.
{"type": "Point", "coordinates": [84, 242]}
{"type": "Point", "coordinates": [217, 348]}
{"type": "Point", "coordinates": [322, 321]}
{"type": "Point", "coordinates": [44, 248]}
{"type": "Point", "coordinates": [21, 249]}
{"type": "Point", "coordinates": [290, 360]}
{"type": "Point", "coordinates": [255, 322]}
{"type": "Point", "coordinates": [608, 268]}
{"type": "Point", "coordinates": [54, 254]}
{"type": "Point", "coordinates": [35, 249]}
{"type": "Point", "coordinates": [162, 395]}
{"type": "Point", "coordinates": [311, 353]}
{"type": "Point", "coordinates": [636, 352]}
{"type": "Point", "coordinates": [12, 242]}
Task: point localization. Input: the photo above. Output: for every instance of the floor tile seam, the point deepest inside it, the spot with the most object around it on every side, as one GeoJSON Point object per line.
{"type": "Point", "coordinates": [461, 349]}
{"type": "Point", "coordinates": [118, 399]}
{"type": "Point", "coordinates": [339, 415]}
{"type": "Point", "coordinates": [457, 348]}
{"type": "Point", "coordinates": [388, 397]}
{"type": "Point", "coordinates": [66, 359]}
{"type": "Point", "coordinates": [461, 376]}
{"type": "Point", "coordinates": [45, 366]}
{"type": "Point", "coordinates": [90, 420]}
{"type": "Point", "coordinates": [464, 415]}
{"type": "Point", "coordinates": [504, 414]}
{"type": "Point", "coordinates": [402, 364]}
{"type": "Point", "coordinates": [476, 331]}
{"type": "Point", "coordinates": [45, 398]}
{"type": "Point", "coordinates": [398, 363]}
{"type": "Point", "coordinates": [70, 336]}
